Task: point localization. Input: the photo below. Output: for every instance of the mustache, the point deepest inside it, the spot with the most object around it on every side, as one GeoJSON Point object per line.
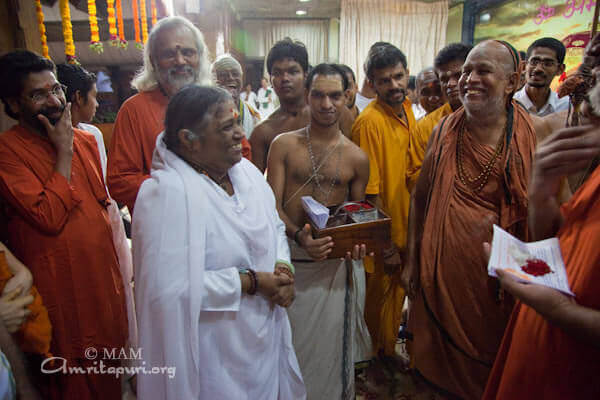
{"type": "Point", "coordinates": [48, 111]}
{"type": "Point", "coordinates": [176, 70]}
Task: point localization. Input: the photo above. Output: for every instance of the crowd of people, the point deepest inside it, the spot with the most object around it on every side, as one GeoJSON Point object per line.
{"type": "Point", "coordinates": [225, 291]}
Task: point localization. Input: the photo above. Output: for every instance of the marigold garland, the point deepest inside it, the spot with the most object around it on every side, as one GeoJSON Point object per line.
{"type": "Point", "coordinates": [122, 41]}
{"type": "Point", "coordinates": [144, 18]}
{"type": "Point", "coordinates": [42, 28]}
{"type": "Point", "coordinates": [65, 14]}
{"type": "Point", "coordinates": [153, 10]}
{"type": "Point", "coordinates": [136, 23]}
{"type": "Point", "coordinates": [112, 23]}
{"type": "Point", "coordinates": [95, 43]}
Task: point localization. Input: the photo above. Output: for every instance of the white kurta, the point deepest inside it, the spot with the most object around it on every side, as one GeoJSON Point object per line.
{"type": "Point", "coordinates": [189, 240]}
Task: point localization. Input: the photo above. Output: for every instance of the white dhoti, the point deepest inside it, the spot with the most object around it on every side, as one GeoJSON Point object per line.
{"type": "Point", "coordinates": [328, 327]}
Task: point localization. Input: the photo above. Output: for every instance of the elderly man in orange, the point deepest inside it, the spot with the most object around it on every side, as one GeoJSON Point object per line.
{"type": "Point", "coordinates": [174, 56]}
{"type": "Point", "coordinates": [54, 204]}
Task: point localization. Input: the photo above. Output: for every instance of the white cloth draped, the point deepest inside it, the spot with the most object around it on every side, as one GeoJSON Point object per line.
{"type": "Point", "coordinates": [417, 28]}
{"type": "Point", "coordinates": [189, 240]}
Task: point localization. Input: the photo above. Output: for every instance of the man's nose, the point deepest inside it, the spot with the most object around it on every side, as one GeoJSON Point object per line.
{"type": "Point", "coordinates": [53, 100]}
{"type": "Point", "coordinates": [179, 58]}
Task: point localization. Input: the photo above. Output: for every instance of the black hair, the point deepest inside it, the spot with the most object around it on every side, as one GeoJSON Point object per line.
{"type": "Point", "coordinates": [288, 48]}
{"type": "Point", "coordinates": [14, 69]}
{"type": "Point", "coordinates": [551, 44]}
{"type": "Point", "coordinates": [452, 52]}
{"type": "Point", "coordinates": [188, 107]}
{"type": "Point", "coordinates": [326, 69]}
{"type": "Point", "coordinates": [523, 55]}
{"type": "Point", "coordinates": [383, 55]}
{"type": "Point", "coordinates": [412, 82]}
{"type": "Point", "coordinates": [75, 78]}
{"type": "Point", "coordinates": [347, 70]}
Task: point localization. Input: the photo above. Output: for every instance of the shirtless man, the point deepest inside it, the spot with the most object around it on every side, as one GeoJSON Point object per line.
{"type": "Point", "coordinates": [319, 161]}
{"type": "Point", "coordinates": [287, 64]}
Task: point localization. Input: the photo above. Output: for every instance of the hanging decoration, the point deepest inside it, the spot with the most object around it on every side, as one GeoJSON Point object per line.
{"type": "Point", "coordinates": [65, 14]}
{"type": "Point", "coordinates": [95, 43]}
{"type": "Point", "coordinates": [136, 24]}
{"type": "Point", "coordinates": [112, 23]}
{"type": "Point", "coordinates": [153, 11]}
{"type": "Point", "coordinates": [122, 41]}
{"type": "Point", "coordinates": [42, 28]}
{"type": "Point", "coordinates": [144, 18]}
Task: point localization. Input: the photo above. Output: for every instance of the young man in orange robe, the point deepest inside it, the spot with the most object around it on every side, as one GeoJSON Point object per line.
{"type": "Point", "coordinates": [54, 214]}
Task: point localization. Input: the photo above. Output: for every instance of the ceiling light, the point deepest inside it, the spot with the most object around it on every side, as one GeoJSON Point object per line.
{"type": "Point", "coordinates": [303, 1]}
{"type": "Point", "coordinates": [300, 12]}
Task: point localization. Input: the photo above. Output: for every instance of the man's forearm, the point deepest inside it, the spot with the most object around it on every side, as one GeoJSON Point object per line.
{"type": "Point", "coordinates": [578, 321]}
{"type": "Point", "coordinates": [544, 217]}
{"type": "Point", "coordinates": [63, 164]}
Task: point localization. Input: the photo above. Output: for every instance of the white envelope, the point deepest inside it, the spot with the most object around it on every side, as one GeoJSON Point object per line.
{"type": "Point", "coordinates": [317, 212]}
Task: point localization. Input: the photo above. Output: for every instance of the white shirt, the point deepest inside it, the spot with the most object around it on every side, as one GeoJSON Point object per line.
{"type": "Point", "coordinates": [190, 238]}
{"type": "Point", "coordinates": [249, 98]}
{"type": "Point", "coordinates": [554, 104]}
{"type": "Point", "coordinates": [418, 111]}
{"type": "Point", "coordinates": [266, 105]}
{"type": "Point", "coordinates": [362, 102]}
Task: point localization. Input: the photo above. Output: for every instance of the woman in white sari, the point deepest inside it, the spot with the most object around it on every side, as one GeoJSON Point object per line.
{"type": "Point", "coordinates": [211, 264]}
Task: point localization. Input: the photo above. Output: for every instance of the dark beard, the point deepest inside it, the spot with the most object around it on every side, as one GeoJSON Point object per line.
{"type": "Point", "coordinates": [37, 124]}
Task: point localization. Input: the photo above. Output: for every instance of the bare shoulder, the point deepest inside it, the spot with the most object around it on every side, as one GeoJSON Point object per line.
{"type": "Point", "coordinates": [289, 138]}
{"type": "Point", "coordinates": [354, 153]}
{"type": "Point", "coordinates": [544, 126]}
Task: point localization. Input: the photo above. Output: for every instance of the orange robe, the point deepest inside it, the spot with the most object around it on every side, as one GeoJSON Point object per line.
{"type": "Point", "coordinates": [139, 121]}
{"type": "Point", "coordinates": [459, 315]}
{"type": "Point", "coordinates": [538, 360]}
{"type": "Point", "coordinates": [417, 144]}
{"type": "Point", "coordinates": [384, 137]}
{"type": "Point", "coordinates": [61, 231]}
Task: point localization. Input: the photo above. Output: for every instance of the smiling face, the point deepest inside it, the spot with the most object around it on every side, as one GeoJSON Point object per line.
{"type": "Point", "coordinates": [326, 99]}
{"type": "Point", "coordinates": [42, 94]}
{"type": "Point", "coordinates": [230, 79]}
{"type": "Point", "coordinates": [176, 59]}
{"type": "Point", "coordinates": [390, 84]}
{"type": "Point", "coordinates": [486, 83]}
{"type": "Point", "coordinates": [545, 69]}
{"type": "Point", "coordinates": [287, 78]}
{"type": "Point", "coordinates": [429, 91]}
{"type": "Point", "coordinates": [220, 144]}
{"type": "Point", "coordinates": [449, 74]}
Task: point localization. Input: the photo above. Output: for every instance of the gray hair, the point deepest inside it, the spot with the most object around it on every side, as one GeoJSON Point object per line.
{"type": "Point", "coordinates": [225, 61]}
{"type": "Point", "coordinates": [146, 78]}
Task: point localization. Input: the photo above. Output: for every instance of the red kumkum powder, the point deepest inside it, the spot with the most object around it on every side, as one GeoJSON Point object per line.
{"type": "Point", "coordinates": [536, 267]}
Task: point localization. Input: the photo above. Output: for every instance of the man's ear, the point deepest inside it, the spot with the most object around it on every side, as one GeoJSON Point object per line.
{"type": "Point", "coordinates": [78, 99]}
{"type": "Point", "coordinates": [561, 69]}
{"type": "Point", "coordinates": [13, 104]}
{"type": "Point", "coordinates": [513, 82]}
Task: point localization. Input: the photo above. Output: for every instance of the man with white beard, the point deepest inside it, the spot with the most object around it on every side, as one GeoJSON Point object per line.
{"type": "Point", "coordinates": [174, 56]}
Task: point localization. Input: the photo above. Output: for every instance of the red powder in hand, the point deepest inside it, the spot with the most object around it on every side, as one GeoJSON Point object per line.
{"type": "Point", "coordinates": [536, 267]}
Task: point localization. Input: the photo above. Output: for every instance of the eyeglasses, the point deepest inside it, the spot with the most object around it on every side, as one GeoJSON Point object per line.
{"type": "Point", "coordinates": [40, 96]}
{"type": "Point", "coordinates": [546, 63]}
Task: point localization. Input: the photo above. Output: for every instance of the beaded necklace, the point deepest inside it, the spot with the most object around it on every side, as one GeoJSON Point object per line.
{"type": "Point", "coordinates": [316, 168]}
{"type": "Point", "coordinates": [484, 175]}
{"type": "Point", "coordinates": [220, 181]}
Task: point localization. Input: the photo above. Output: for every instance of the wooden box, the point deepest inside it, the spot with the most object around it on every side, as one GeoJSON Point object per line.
{"type": "Point", "coordinates": [346, 233]}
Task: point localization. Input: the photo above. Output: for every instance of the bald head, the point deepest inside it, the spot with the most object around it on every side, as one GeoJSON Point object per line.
{"type": "Point", "coordinates": [489, 79]}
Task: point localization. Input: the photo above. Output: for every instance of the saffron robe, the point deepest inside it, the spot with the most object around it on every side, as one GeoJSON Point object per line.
{"type": "Point", "coordinates": [139, 121]}
{"type": "Point", "coordinates": [191, 312]}
{"type": "Point", "coordinates": [563, 367]}
{"type": "Point", "coordinates": [417, 143]}
{"type": "Point", "coordinates": [459, 315]}
{"type": "Point", "coordinates": [61, 231]}
{"type": "Point", "coordinates": [384, 137]}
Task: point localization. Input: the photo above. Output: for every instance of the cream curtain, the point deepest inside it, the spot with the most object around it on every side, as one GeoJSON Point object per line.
{"type": "Point", "coordinates": [263, 34]}
{"type": "Point", "coordinates": [416, 28]}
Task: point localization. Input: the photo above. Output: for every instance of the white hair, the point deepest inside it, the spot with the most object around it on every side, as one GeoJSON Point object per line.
{"type": "Point", "coordinates": [146, 78]}
{"type": "Point", "coordinates": [225, 61]}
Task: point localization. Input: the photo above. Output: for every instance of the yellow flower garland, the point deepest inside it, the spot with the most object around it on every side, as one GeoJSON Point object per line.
{"type": "Point", "coordinates": [42, 28]}
{"type": "Point", "coordinates": [95, 43]}
{"type": "Point", "coordinates": [65, 14]}
{"type": "Point", "coordinates": [153, 10]}
{"type": "Point", "coordinates": [144, 18]}
{"type": "Point", "coordinates": [112, 23]}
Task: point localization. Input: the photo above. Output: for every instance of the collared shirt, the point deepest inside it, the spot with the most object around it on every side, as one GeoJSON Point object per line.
{"type": "Point", "coordinates": [418, 111]}
{"type": "Point", "coordinates": [553, 104]}
{"type": "Point", "coordinates": [384, 136]}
